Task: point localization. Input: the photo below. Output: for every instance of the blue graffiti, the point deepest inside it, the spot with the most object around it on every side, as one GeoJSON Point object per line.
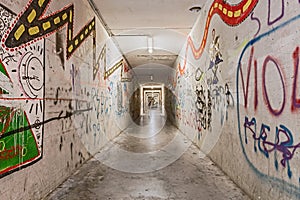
{"type": "Point", "coordinates": [284, 142]}
{"type": "Point", "coordinates": [284, 149]}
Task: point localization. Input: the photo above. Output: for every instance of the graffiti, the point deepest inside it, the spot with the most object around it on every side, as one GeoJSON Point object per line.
{"type": "Point", "coordinates": [232, 15]}
{"type": "Point", "coordinates": [126, 73]}
{"type": "Point", "coordinates": [85, 121]}
{"type": "Point", "coordinates": [270, 59]}
{"type": "Point", "coordinates": [222, 100]}
{"type": "Point", "coordinates": [229, 96]}
{"type": "Point", "coordinates": [38, 124]}
{"type": "Point", "coordinates": [113, 69]}
{"type": "Point", "coordinates": [269, 104]}
{"type": "Point", "coordinates": [258, 22]}
{"type": "Point", "coordinates": [75, 76]}
{"type": "Point", "coordinates": [275, 63]}
{"type": "Point", "coordinates": [215, 58]}
{"type": "Point", "coordinates": [22, 84]}
{"type": "Point", "coordinates": [100, 103]}
{"type": "Point", "coordinates": [295, 100]}
{"type": "Point", "coordinates": [189, 119]}
{"type": "Point", "coordinates": [31, 26]}
{"type": "Point", "coordinates": [199, 74]}
{"type": "Point", "coordinates": [6, 17]}
{"type": "Point", "coordinates": [101, 62]}
{"type": "Point", "coordinates": [105, 104]}
{"type": "Point", "coordinates": [66, 124]}
{"type": "Point", "coordinates": [217, 96]}
{"type": "Point", "coordinates": [6, 84]}
{"type": "Point", "coordinates": [7, 58]}
{"type": "Point", "coordinates": [213, 80]}
{"type": "Point", "coordinates": [275, 6]}
{"type": "Point", "coordinates": [15, 143]}
{"type": "Point", "coordinates": [56, 96]}
{"type": "Point", "coordinates": [21, 102]}
{"type": "Point", "coordinates": [30, 70]}
{"type": "Point", "coordinates": [209, 110]}
{"type": "Point", "coordinates": [12, 152]}
{"type": "Point", "coordinates": [96, 129]}
{"type": "Point", "coordinates": [284, 142]}
{"type": "Point", "coordinates": [203, 109]}
{"type": "Point", "coordinates": [246, 90]}
{"type": "Point", "coordinates": [214, 52]}
{"type": "Point", "coordinates": [268, 62]}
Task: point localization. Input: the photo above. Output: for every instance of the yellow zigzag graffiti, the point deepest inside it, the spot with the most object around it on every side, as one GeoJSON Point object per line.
{"type": "Point", "coordinates": [31, 26]}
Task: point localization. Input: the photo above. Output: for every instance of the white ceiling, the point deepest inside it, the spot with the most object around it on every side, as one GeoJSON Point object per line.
{"type": "Point", "coordinates": [124, 15]}
{"type": "Point", "coordinates": [132, 22]}
{"type": "Point", "coordinates": [153, 73]}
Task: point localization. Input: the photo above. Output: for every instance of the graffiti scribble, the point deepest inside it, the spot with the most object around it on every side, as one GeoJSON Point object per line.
{"type": "Point", "coordinates": [284, 142]}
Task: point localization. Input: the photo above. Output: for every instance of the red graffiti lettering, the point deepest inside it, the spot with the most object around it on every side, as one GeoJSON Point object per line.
{"type": "Point", "coordinates": [295, 100]}
{"type": "Point", "coordinates": [11, 153]}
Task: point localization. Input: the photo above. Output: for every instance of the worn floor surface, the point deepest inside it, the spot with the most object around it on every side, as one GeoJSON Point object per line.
{"type": "Point", "coordinates": [188, 176]}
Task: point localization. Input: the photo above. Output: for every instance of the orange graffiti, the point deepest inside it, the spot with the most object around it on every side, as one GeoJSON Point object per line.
{"type": "Point", "coordinates": [232, 15]}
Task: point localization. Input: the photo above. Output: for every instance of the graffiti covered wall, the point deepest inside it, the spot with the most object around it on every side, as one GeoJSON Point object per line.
{"type": "Point", "coordinates": [237, 91]}
{"type": "Point", "coordinates": [22, 101]}
{"type": "Point", "coordinates": [64, 92]}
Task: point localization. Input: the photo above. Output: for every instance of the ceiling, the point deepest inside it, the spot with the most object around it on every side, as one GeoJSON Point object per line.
{"type": "Point", "coordinates": [132, 22]}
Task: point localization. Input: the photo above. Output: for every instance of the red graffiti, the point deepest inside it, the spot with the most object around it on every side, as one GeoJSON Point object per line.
{"type": "Point", "coordinates": [245, 90]}
{"type": "Point", "coordinates": [232, 15]}
{"type": "Point", "coordinates": [295, 100]}
{"type": "Point", "coordinates": [282, 81]}
{"type": "Point", "coordinates": [11, 153]}
{"type": "Point", "coordinates": [274, 111]}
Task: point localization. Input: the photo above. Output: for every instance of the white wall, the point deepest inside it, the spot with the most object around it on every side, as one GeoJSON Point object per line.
{"type": "Point", "coordinates": [69, 111]}
{"type": "Point", "coordinates": [256, 143]}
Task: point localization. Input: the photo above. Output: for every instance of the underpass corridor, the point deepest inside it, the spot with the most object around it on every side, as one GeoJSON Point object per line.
{"type": "Point", "coordinates": [148, 162]}
{"type": "Point", "coordinates": [152, 99]}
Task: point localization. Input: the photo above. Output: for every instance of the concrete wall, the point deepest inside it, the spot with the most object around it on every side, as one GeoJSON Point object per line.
{"type": "Point", "coordinates": [238, 84]}
{"type": "Point", "coordinates": [135, 105]}
{"type": "Point", "coordinates": [61, 93]}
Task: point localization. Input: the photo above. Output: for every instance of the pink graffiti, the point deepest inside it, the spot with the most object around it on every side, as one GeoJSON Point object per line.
{"type": "Point", "coordinates": [283, 81]}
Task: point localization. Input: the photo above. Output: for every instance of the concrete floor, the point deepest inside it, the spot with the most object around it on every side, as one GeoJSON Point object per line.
{"type": "Point", "coordinates": [141, 174]}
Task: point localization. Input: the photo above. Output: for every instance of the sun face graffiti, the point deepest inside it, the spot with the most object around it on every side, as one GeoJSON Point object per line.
{"type": "Point", "coordinates": [22, 72]}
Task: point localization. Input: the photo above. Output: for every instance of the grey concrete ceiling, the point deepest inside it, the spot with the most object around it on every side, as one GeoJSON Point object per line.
{"type": "Point", "coordinates": [124, 15]}
{"type": "Point", "coordinates": [131, 22]}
